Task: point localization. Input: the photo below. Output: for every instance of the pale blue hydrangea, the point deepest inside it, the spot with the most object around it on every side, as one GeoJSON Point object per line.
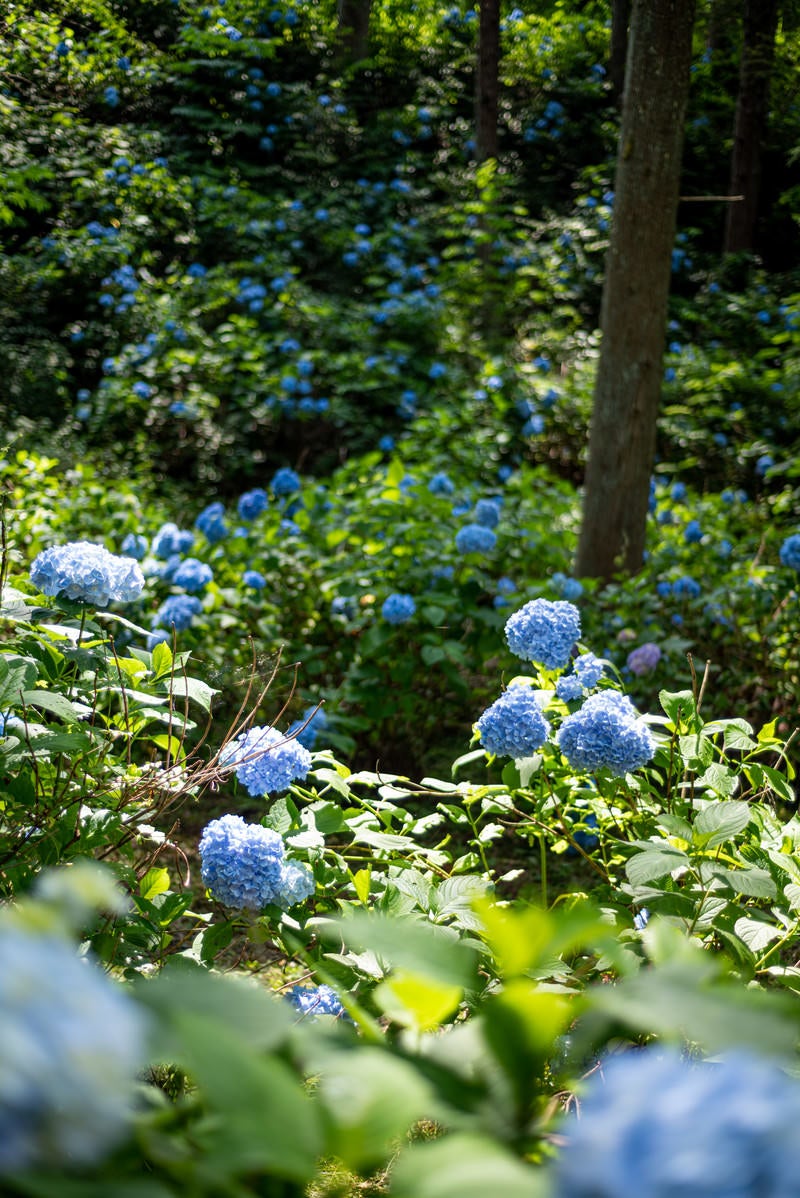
{"type": "Point", "coordinates": [475, 538]}
{"type": "Point", "coordinates": [398, 608]}
{"type": "Point", "coordinates": [296, 885]}
{"type": "Point", "coordinates": [441, 484]}
{"type": "Point", "coordinates": [790, 552]}
{"type": "Point", "coordinates": [316, 1000]}
{"type": "Point", "coordinates": [656, 1125]}
{"type": "Point", "coordinates": [686, 588]}
{"type": "Point", "coordinates": [606, 732]}
{"type": "Point", "coordinates": [514, 725]}
{"type": "Point", "coordinates": [135, 546]}
{"type": "Point", "coordinates": [587, 672]}
{"type": "Point", "coordinates": [307, 729]}
{"type": "Point", "coordinates": [544, 631]}
{"type": "Point", "coordinates": [254, 579]}
{"type": "Point", "coordinates": [243, 865]}
{"type": "Point", "coordinates": [88, 573]}
{"type": "Point", "coordinates": [487, 512]}
{"type": "Point", "coordinates": [285, 481]}
{"type": "Point", "coordinates": [211, 522]}
{"type": "Point", "coordinates": [192, 575]}
{"type": "Point", "coordinates": [568, 588]}
{"type": "Point", "coordinates": [178, 612]}
{"type": "Point", "coordinates": [171, 540]}
{"type": "Point", "coordinates": [71, 1047]}
{"type": "Point", "coordinates": [265, 761]}
{"type": "Point", "coordinates": [644, 658]}
{"type": "Point", "coordinates": [252, 503]}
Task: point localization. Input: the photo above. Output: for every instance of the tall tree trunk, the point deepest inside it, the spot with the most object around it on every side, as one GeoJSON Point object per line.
{"type": "Point", "coordinates": [487, 84]}
{"type": "Point", "coordinates": [620, 20]}
{"type": "Point", "coordinates": [354, 29]}
{"type": "Point", "coordinates": [760, 27]}
{"type": "Point", "coordinates": [722, 25]}
{"type": "Point", "coordinates": [637, 276]}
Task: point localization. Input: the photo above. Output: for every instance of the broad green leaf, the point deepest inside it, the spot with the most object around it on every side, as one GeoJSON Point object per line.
{"type": "Point", "coordinates": [155, 881]}
{"type": "Point", "coordinates": [756, 933]}
{"type": "Point", "coordinates": [720, 821]}
{"type": "Point", "coordinates": [654, 863]}
{"type": "Point", "coordinates": [56, 704]}
{"type": "Point", "coordinates": [361, 882]}
{"type": "Point", "coordinates": [696, 749]}
{"type": "Point", "coordinates": [416, 947]}
{"type": "Point", "coordinates": [161, 660]}
{"type": "Point", "coordinates": [719, 778]}
{"type": "Point", "coordinates": [792, 892]}
{"type": "Point", "coordinates": [678, 705]}
{"type": "Point", "coordinates": [418, 1002]}
{"type": "Point", "coordinates": [464, 1166]}
{"type": "Point", "coordinates": [17, 674]}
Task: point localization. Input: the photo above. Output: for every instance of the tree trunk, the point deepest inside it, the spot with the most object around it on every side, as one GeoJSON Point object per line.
{"type": "Point", "coordinates": [760, 27]}
{"type": "Point", "coordinates": [637, 277]}
{"type": "Point", "coordinates": [487, 85]}
{"type": "Point", "coordinates": [354, 29]}
{"type": "Point", "coordinates": [620, 20]}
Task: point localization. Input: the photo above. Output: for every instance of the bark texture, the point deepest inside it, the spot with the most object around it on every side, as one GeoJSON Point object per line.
{"type": "Point", "coordinates": [637, 277]}
{"type": "Point", "coordinates": [620, 20]}
{"type": "Point", "coordinates": [487, 80]}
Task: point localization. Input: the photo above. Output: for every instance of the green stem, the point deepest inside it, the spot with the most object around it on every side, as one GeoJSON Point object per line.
{"type": "Point", "coordinates": [543, 866]}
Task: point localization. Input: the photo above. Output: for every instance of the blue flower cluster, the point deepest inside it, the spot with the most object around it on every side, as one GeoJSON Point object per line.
{"type": "Point", "coordinates": [316, 1000]}
{"type": "Point", "coordinates": [312, 722]}
{"type": "Point", "coordinates": [243, 866]}
{"type": "Point", "coordinates": [285, 482]}
{"type": "Point", "coordinates": [192, 575]}
{"type": "Point", "coordinates": [606, 732]}
{"type": "Point", "coordinates": [71, 1047]}
{"type": "Point", "coordinates": [211, 522]}
{"type": "Point", "coordinates": [644, 658]}
{"type": "Point", "coordinates": [475, 538]}
{"type": "Point", "coordinates": [790, 552]}
{"type": "Point", "coordinates": [178, 612]}
{"type": "Point", "coordinates": [514, 725]}
{"type": "Point", "coordinates": [487, 512]}
{"type": "Point", "coordinates": [587, 672]}
{"type": "Point", "coordinates": [653, 1123]}
{"type": "Point", "coordinates": [544, 631]}
{"type": "Point", "coordinates": [88, 573]}
{"type": "Point", "coordinates": [171, 540]}
{"type": "Point", "coordinates": [252, 503]}
{"type": "Point", "coordinates": [265, 761]}
{"type": "Point", "coordinates": [397, 608]}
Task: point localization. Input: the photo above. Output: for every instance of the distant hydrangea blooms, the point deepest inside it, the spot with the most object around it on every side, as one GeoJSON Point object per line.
{"type": "Point", "coordinates": [693, 532]}
{"type": "Point", "coordinates": [790, 552]}
{"type": "Point", "coordinates": [265, 761]}
{"type": "Point", "coordinates": [307, 729]}
{"type": "Point", "coordinates": [88, 573]}
{"type": "Point", "coordinates": [134, 546]}
{"type": "Point", "coordinates": [644, 658]}
{"type": "Point", "coordinates": [514, 725]}
{"type": "Point", "coordinates": [192, 575]}
{"type": "Point", "coordinates": [544, 631]}
{"type": "Point", "coordinates": [211, 522]}
{"type": "Point", "coordinates": [285, 482]}
{"type": "Point", "coordinates": [487, 512]}
{"type": "Point", "coordinates": [686, 588]}
{"type": "Point", "coordinates": [441, 484]}
{"type": "Point", "coordinates": [606, 732]}
{"type": "Point", "coordinates": [316, 1000]}
{"type": "Point", "coordinates": [568, 588]}
{"type": "Point", "coordinates": [397, 608]}
{"type": "Point", "coordinates": [254, 580]}
{"type": "Point", "coordinates": [243, 866]}
{"type": "Point", "coordinates": [653, 1123]}
{"type": "Point", "coordinates": [475, 538]}
{"type": "Point", "coordinates": [252, 503]}
{"type": "Point", "coordinates": [71, 1047]}
{"type": "Point", "coordinates": [178, 612]}
{"type": "Point", "coordinates": [171, 540]}
{"type": "Point", "coordinates": [587, 672]}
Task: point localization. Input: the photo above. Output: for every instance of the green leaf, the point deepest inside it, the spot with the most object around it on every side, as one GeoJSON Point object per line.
{"type": "Point", "coordinates": [464, 1166]}
{"type": "Point", "coordinates": [678, 705]}
{"type": "Point", "coordinates": [720, 821]}
{"type": "Point", "coordinates": [155, 882]}
{"type": "Point", "coordinates": [161, 660]}
{"type": "Point", "coordinates": [361, 882]}
{"type": "Point", "coordinates": [431, 654]}
{"type": "Point", "coordinates": [653, 864]}
{"type": "Point", "coordinates": [719, 778]}
{"type": "Point", "coordinates": [17, 674]}
{"type": "Point", "coordinates": [419, 948]}
{"type": "Point", "coordinates": [696, 749]}
{"type": "Point", "coordinates": [57, 704]}
{"type": "Point", "coordinates": [756, 933]}
{"type": "Point", "coordinates": [792, 892]}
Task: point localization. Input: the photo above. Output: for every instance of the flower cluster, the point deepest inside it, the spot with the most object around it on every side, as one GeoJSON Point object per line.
{"type": "Point", "coordinates": [171, 540]}
{"type": "Point", "coordinates": [475, 538]}
{"type": "Point", "coordinates": [192, 575]}
{"type": "Point", "coordinates": [88, 573]}
{"type": "Point", "coordinates": [514, 725]}
{"type": "Point", "coordinates": [316, 1000]}
{"type": "Point", "coordinates": [285, 481]}
{"type": "Point", "coordinates": [644, 658]}
{"type": "Point", "coordinates": [790, 552]}
{"type": "Point", "coordinates": [487, 512]}
{"type": "Point", "coordinates": [243, 866]}
{"type": "Point", "coordinates": [587, 672]}
{"type": "Point", "coordinates": [606, 731]}
{"type": "Point", "coordinates": [265, 761]}
{"type": "Point", "coordinates": [252, 503]}
{"type": "Point", "coordinates": [177, 612]}
{"type": "Point", "coordinates": [71, 1047]}
{"type": "Point", "coordinates": [657, 1124]}
{"type": "Point", "coordinates": [211, 522]}
{"type": "Point", "coordinates": [397, 608]}
{"type": "Point", "coordinates": [544, 631]}
{"type": "Point", "coordinates": [312, 722]}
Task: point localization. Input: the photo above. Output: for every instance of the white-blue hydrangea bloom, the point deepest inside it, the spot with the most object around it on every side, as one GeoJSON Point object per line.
{"type": "Point", "coordinates": [587, 672]}
{"type": "Point", "coordinates": [606, 732]}
{"type": "Point", "coordinates": [544, 631]}
{"type": "Point", "coordinates": [296, 885]}
{"type": "Point", "coordinates": [265, 761]}
{"type": "Point", "coordinates": [316, 1000]}
{"type": "Point", "coordinates": [655, 1125]}
{"type": "Point", "coordinates": [514, 725]}
{"type": "Point", "coordinates": [71, 1047]}
{"type": "Point", "coordinates": [171, 540]}
{"type": "Point", "coordinates": [88, 573]}
{"type": "Point", "coordinates": [397, 608]}
{"type": "Point", "coordinates": [475, 538]}
{"type": "Point", "coordinates": [243, 866]}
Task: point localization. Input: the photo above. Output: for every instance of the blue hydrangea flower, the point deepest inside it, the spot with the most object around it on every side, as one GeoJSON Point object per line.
{"type": "Point", "coordinates": [253, 579]}
{"type": "Point", "coordinates": [88, 573]}
{"type": "Point", "coordinates": [686, 588]}
{"type": "Point", "coordinates": [606, 732]}
{"type": "Point", "coordinates": [398, 608]}
{"type": "Point", "coordinates": [211, 522]}
{"type": "Point", "coordinates": [568, 588]}
{"type": "Point", "coordinates": [790, 552]}
{"type": "Point", "coordinates": [587, 672]}
{"type": "Point", "coordinates": [544, 631]}
{"type": "Point", "coordinates": [134, 546]}
{"type": "Point", "coordinates": [487, 512]}
{"type": "Point", "coordinates": [252, 503]}
{"type": "Point", "coordinates": [265, 761]}
{"type": "Point", "coordinates": [285, 482]}
{"type": "Point", "coordinates": [296, 885]}
{"type": "Point", "coordinates": [641, 919]}
{"type": "Point", "coordinates": [72, 1044]}
{"type": "Point", "coordinates": [693, 532]}
{"type": "Point", "coordinates": [241, 862]}
{"type": "Point", "coordinates": [192, 575]}
{"type": "Point", "coordinates": [441, 484]}
{"type": "Point", "coordinates": [171, 540]}
{"type": "Point", "coordinates": [178, 612]}
{"type": "Point", "coordinates": [475, 538]}
{"type": "Point", "coordinates": [514, 725]}
{"type": "Point", "coordinates": [644, 658]}
{"type": "Point", "coordinates": [316, 1000]}
{"type": "Point", "coordinates": [653, 1123]}
{"type": "Point", "coordinates": [312, 722]}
